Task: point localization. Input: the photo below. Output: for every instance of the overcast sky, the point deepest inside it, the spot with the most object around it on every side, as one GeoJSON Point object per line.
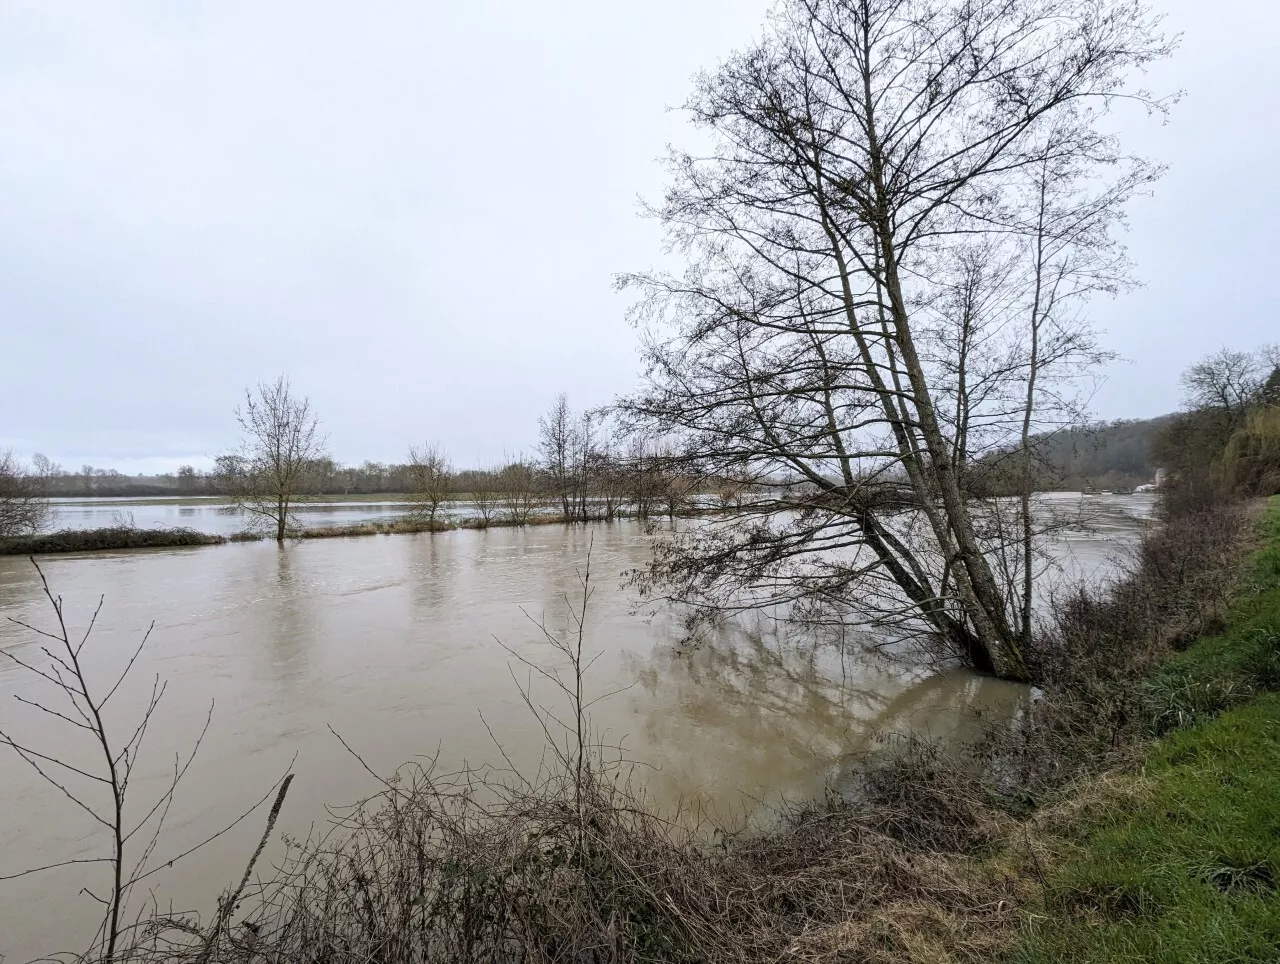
{"type": "Point", "coordinates": [416, 211]}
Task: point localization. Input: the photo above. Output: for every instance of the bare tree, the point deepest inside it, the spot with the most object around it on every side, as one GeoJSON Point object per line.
{"type": "Point", "coordinates": [676, 484]}
{"type": "Point", "coordinates": [558, 430]}
{"type": "Point", "coordinates": [606, 482]}
{"type": "Point", "coordinates": [1228, 381]}
{"type": "Point", "coordinates": [24, 502]}
{"type": "Point", "coordinates": [430, 478]}
{"type": "Point", "coordinates": [863, 154]}
{"type": "Point", "coordinates": [567, 445]}
{"type": "Point", "coordinates": [641, 482]}
{"type": "Point", "coordinates": [484, 488]}
{"type": "Point", "coordinates": [584, 458]}
{"type": "Point", "coordinates": [517, 485]}
{"type": "Point", "coordinates": [275, 465]}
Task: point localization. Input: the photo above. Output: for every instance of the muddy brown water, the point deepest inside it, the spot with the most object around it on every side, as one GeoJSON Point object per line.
{"type": "Point", "coordinates": [393, 641]}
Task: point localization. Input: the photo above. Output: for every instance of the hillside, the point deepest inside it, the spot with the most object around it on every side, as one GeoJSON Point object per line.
{"type": "Point", "coordinates": [1107, 455]}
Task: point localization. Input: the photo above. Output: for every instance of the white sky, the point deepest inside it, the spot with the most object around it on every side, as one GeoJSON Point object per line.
{"type": "Point", "coordinates": [416, 210]}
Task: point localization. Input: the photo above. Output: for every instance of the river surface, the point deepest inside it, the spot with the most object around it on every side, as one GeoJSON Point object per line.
{"type": "Point", "coordinates": [396, 642]}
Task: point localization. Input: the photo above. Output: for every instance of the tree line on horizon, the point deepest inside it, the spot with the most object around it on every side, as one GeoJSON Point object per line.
{"type": "Point", "coordinates": [581, 469]}
{"type": "Point", "coordinates": [1110, 455]}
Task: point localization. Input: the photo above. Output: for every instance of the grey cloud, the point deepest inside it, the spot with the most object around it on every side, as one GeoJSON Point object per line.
{"type": "Point", "coordinates": [416, 211]}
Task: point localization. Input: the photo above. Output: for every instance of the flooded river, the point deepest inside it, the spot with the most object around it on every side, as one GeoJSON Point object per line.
{"type": "Point", "coordinates": [393, 641]}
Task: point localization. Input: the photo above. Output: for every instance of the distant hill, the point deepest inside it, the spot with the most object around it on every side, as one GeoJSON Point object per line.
{"type": "Point", "coordinates": [1106, 455]}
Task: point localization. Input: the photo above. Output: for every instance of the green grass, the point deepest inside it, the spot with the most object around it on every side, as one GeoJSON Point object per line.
{"type": "Point", "coordinates": [1220, 672]}
{"type": "Point", "coordinates": [1191, 873]}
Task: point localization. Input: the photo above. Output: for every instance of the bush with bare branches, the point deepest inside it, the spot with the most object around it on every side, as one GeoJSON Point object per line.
{"type": "Point", "coordinates": [24, 504]}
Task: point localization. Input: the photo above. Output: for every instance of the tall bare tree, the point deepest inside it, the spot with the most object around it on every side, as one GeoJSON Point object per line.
{"type": "Point", "coordinates": [567, 445]}
{"type": "Point", "coordinates": [558, 446]}
{"type": "Point", "coordinates": [24, 502]}
{"type": "Point", "coordinates": [430, 478]}
{"type": "Point", "coordinates": [866, 157]}
{"type": "Point", "coordinates": [606, 481]}
{"type": "Point", "coordinates": [275, 465]}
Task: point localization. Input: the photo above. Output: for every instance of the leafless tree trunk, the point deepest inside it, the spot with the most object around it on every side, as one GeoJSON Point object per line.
{"type": "Point", "coordinates": [863, 152]}
{"type": "Point", "coordinates": [643, 484]}
{"type": "Point", "coordinates": [583, 452]}
{"type": "Point", "coordinates": [568, 450]}
{"type": "Point", "coordinates": [676, 494]}
{"type": "Point", "coordinates": [557, 430]}
{"type": "Point", "coordinates": [431, 477]}
{"type": "Point", "coordinates": [275, 464]}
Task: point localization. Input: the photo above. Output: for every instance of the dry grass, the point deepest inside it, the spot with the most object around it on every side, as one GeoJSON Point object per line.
{"type": "Point", "coordinates": [464, 867]}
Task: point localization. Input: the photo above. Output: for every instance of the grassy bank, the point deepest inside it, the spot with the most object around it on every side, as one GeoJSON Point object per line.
{"type": "Point", "coordinates": [1187, 872]}
{"type": "Point", "coordinates": [1186, 869]}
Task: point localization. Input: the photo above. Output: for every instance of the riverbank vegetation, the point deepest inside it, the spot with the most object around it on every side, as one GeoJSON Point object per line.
{"type": "Point", "coordinates": [1227, 441]}
{"type": "Point", "coordinates": [24, 506]}
{"type": "Point", "coordinates": [1184, 865]}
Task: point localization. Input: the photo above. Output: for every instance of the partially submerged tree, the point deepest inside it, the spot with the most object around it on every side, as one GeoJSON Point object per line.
{"type": "Point", "coordinates": [483, 488]}
{"type": "Point", "coordinates": [518, 489]}
{"type": "Point", "coordinates": [903, 204]}
{"type": "Point", "coordinates": [568, 446]}
{"type": "Point", "coordinates": [430, 479]}
{"type": "Point", "coordinates": [24, 501]}
{"type": "Point", "coordinates": [275, 465]}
